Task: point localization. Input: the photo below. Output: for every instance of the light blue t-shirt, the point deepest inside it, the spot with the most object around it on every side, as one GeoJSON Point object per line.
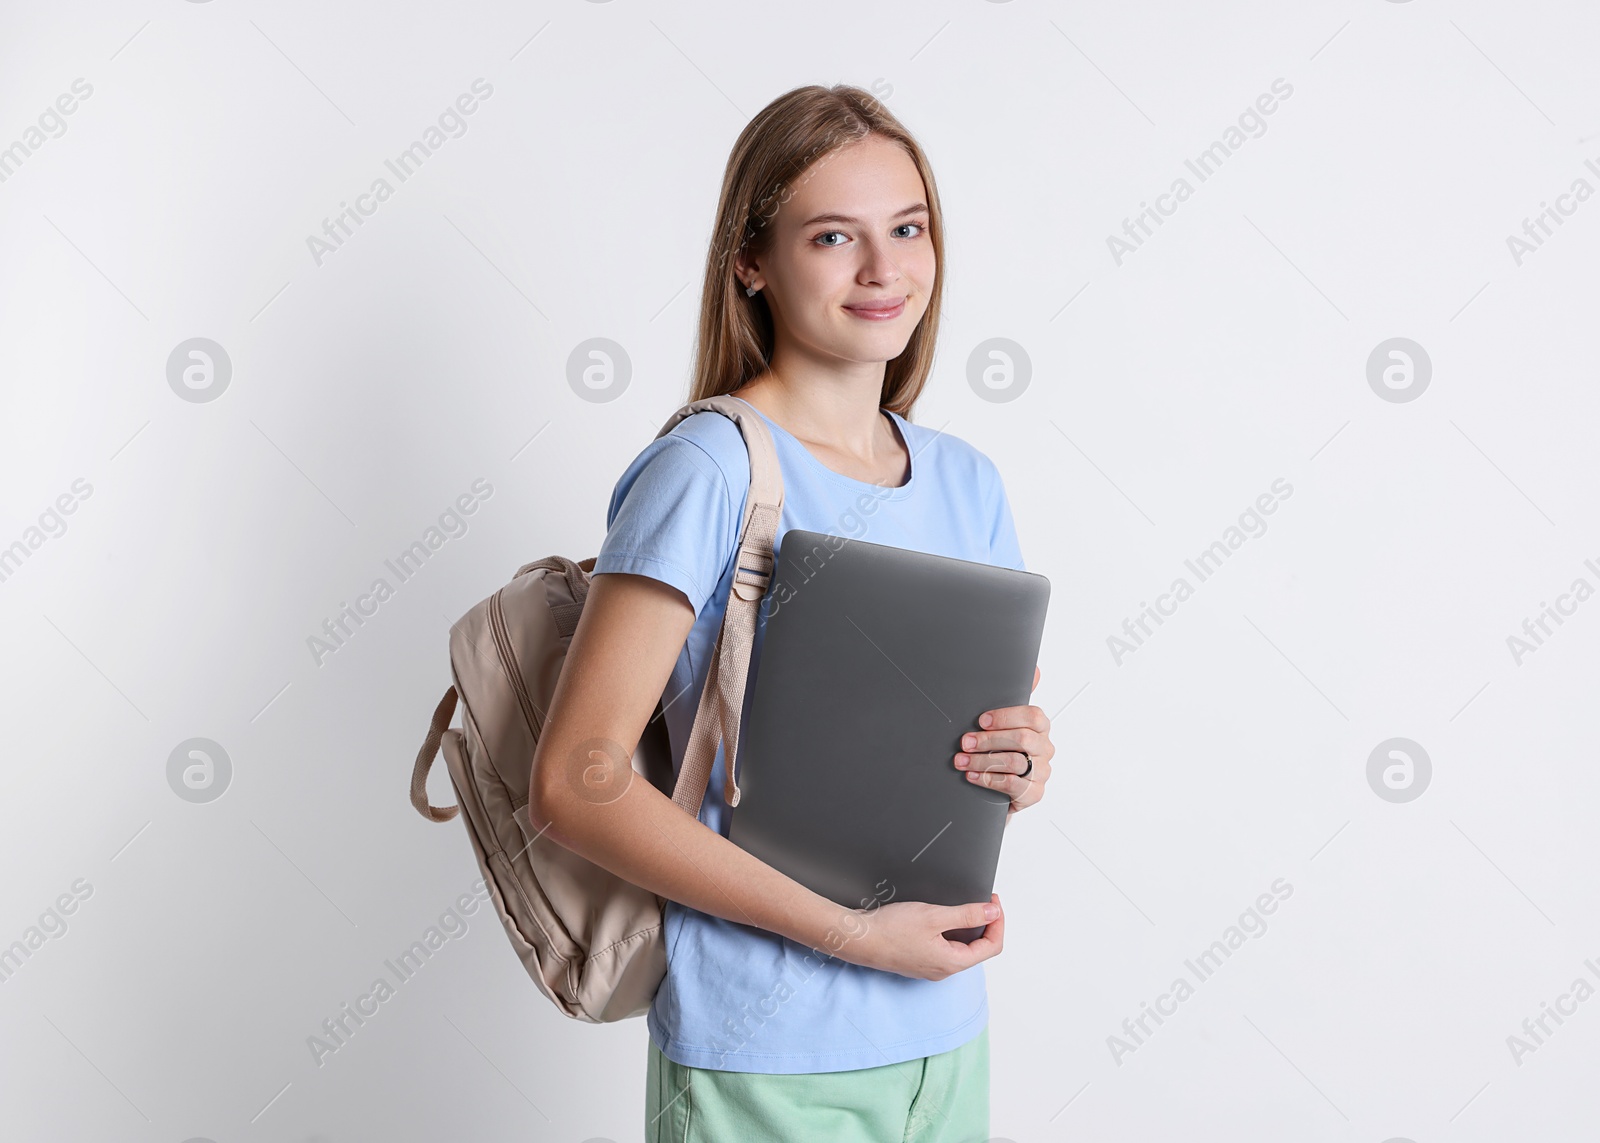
{"type": "Point", "coordinates": [737, 997]}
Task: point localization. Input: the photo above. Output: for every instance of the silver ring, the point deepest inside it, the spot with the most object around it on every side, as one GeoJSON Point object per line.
{"type": "Point", "coordinates": [1029, 770]}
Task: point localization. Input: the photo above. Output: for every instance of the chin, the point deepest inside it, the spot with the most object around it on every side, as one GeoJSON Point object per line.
{"type": "Point", "coordinates": [874, 349]}
{"type": "Point", "coordinates": [891, 335]}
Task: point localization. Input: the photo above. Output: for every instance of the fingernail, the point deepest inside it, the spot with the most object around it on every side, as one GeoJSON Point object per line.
{"type": "Point", "coordinates": [991, 912]}
{"type": "Point", "coordinates": [961, 761]}
{"type": "Point", "coordinates": [985, 720]}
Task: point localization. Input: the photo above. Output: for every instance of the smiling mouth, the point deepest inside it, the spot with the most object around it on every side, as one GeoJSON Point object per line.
{"type": "Point", "coordinates": [878, 311]}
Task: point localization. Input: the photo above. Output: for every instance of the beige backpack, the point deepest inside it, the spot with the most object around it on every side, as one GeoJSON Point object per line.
{"type": "Point", "coordinates": [592, 942]}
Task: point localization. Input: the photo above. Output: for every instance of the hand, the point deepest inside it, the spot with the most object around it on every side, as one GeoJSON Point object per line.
{"type": "Point", "coordinates": [993, 757]}
{"type": "Point", "coordinates": [906, 937]}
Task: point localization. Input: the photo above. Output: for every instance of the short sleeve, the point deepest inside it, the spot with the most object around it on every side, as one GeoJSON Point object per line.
{"type": "Point", "coordinates": [671, 518]}
{"type": "Point", "coordinates": [1004, 550]}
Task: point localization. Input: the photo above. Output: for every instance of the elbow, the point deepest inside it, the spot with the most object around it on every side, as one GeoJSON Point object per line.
{"type": "Point", "coordinates": [540, 797]}
{"type": "Point", "coordinates": [551, 808]}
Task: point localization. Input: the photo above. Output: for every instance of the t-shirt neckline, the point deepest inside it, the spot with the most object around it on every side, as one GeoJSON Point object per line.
{"type": "Point", "coordinates": [879, 491]}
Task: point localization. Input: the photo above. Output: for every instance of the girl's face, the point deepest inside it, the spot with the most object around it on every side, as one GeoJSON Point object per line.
{"type": "Point", "coordinates": [850, 263]}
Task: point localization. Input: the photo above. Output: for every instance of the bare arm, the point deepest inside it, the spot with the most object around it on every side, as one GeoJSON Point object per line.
{"type": "Point", "coordinates": [628, 638]}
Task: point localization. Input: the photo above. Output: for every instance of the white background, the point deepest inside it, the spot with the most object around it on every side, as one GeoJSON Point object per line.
{"type": "Point", "coordinates": [369, 389]}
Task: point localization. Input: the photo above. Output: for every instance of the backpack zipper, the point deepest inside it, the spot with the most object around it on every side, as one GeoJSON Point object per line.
{"type": "Point", "coordinates": [502, 642]}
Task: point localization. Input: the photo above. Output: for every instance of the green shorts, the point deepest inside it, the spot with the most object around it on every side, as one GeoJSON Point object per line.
{"type": "Point", "coordinates": [942, 1098]}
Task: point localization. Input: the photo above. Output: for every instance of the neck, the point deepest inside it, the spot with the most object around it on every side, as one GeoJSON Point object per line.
{"type": "Point", "coordinates": [821, 403]}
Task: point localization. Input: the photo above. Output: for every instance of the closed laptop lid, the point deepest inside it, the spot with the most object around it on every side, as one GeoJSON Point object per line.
{"type": "Point", "coordinates": [875, 661]}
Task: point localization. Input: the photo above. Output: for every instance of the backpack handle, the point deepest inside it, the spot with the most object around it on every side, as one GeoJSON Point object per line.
{"type": "Point", "coordinates": [430, 749]}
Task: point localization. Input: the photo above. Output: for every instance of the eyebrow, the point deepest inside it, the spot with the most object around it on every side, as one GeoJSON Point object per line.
{"type": "Point", "coordinates": [915, 208]}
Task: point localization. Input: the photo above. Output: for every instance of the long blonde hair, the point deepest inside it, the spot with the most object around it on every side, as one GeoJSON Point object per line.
{"type": "Point", "coordinates": [791, 133]}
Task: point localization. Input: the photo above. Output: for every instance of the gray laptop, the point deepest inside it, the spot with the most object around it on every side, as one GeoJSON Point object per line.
{"type": "Point", "coordinates": [875, 660]}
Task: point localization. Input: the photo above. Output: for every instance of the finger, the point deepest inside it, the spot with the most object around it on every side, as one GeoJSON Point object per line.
{"type": "Point", "coordinates": [1017, 739]}
{"type": "Point", "coordinates": [1015, 717]}
{"type": "Point", "coordinates": [953, 917]}
{"type": "Point", "coordinates": [1000, 762]}
{"type": "Point", "coordinates": [989, 942]}
{"type": "Point", "coordinates": [1035, 681]}
{"type": "Point", "coordinates": [1013, 786]}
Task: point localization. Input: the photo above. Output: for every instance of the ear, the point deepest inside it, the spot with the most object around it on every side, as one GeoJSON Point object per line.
{"type": "Point", "coordinates": [744, 267]}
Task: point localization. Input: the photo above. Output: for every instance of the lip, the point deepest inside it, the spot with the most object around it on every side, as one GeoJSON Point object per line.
{"type": "Point", "coordinates": [880, 310]}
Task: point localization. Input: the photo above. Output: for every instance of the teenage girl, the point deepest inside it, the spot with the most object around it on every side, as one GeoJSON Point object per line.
{"type": "Point", "coordinates": [784, 1016]}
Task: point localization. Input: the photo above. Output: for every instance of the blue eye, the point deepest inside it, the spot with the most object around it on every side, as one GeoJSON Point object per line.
{"type": "Point", "coordinates": [920, 228]}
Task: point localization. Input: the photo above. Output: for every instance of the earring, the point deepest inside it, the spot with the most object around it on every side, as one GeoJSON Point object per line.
{"type": "Point", "coordinates": [750, 291]}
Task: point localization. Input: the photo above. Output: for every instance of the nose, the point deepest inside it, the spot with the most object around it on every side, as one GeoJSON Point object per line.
{"type": "Point", "coordinates": [878, 264]}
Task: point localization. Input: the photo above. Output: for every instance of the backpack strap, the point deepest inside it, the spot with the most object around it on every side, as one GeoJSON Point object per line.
{"type": "Point", "coordinates": [722, 699]}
